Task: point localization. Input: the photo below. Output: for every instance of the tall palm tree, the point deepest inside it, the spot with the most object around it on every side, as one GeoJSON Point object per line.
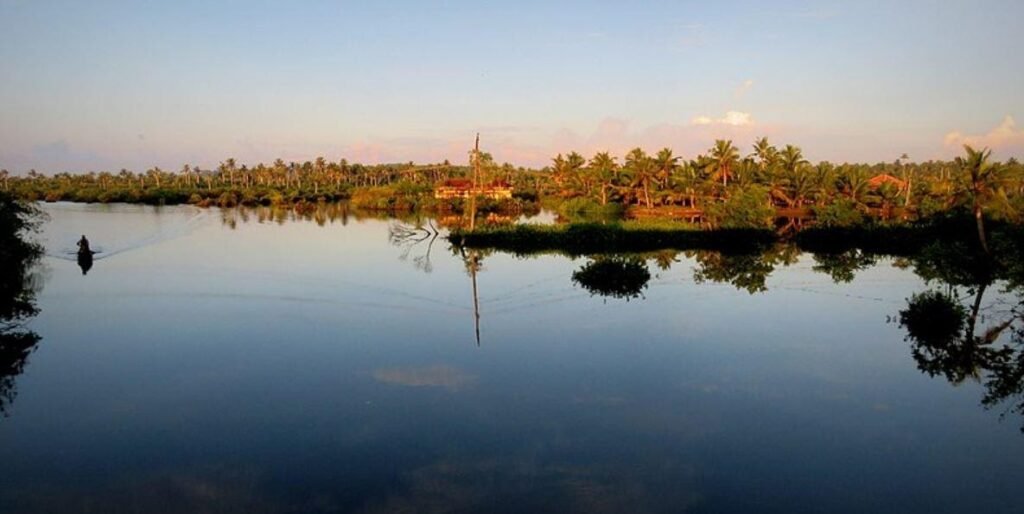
{"type": "Point", "coordinates": [559, 171]}
{"type": "Point", "coordinates": [792, 159]}
{"type": "Point", "coordinates": [799, 183]}
{"type": "Point", "coordinates": [641, 169]}
{"type": "Point", "coordinates": [666, 165]}
{"type": "Point", "coordinates": [574, 166]}
{"type": "Point", "coordinates": [984, 185]}
{"type": "Point", "coordinates": [606, 172]}
{"type": "Point", "coordinates": [765, 154]}
{"type": "Point", "coordinates": [724, 159]}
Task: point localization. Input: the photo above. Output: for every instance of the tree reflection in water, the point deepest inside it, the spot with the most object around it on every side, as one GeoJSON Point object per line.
{"type": "Point", "coordinates": [18, 287]}
{"type": "Point", "coordinates": [955, 333]}
{"type": "Point", "coordinates": [953, 330]}
{"type": "Point", "coordinates": [614, 276]}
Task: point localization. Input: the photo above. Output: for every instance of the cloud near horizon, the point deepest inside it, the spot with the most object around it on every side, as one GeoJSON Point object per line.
{"type": "Point", "coordinates": [1005, 137]}
{"type": "Point", "coordinates": [731, 118]}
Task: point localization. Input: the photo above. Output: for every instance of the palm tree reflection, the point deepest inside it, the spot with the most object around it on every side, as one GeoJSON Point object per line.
{"type": "Point", "coordinates": [956, 334]}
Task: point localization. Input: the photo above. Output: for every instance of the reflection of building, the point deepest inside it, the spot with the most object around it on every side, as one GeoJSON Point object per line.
{"type": "Point", "coordinates": [879, 180]}
{"type": "Point", "coordinates": [463, 188]}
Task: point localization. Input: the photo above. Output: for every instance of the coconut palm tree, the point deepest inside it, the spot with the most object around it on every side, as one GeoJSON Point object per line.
{"type": "Point", "coordinates": [606, 172]}
{"type": "Point", "coordinates": [983, 185]}
{"type": "Point", "coordinates": [667, 165]}
{"type": "Point", "coordinates": [559, 171]}
{"type": "Point", "coordinates": [642, 172]}
{"type": "Point", "coordinates": [574, 167]}
{"type": "Point", "coordinates": [724, 158]}
{"type": "Point", "coordinates": [791, 158]}
{"type": "Point", "coordinates": [766, 155]}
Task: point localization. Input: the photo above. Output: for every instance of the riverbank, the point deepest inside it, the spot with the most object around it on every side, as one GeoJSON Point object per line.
{"type": "Point", "coordinates": [645, 236]}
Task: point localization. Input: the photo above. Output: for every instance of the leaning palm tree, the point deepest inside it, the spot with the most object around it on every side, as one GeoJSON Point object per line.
{"type": "Point", "coordinates": [983, 187]}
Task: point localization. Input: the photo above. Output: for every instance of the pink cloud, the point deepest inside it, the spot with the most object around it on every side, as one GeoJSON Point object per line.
{"type": "Point", "coordinates": [1005, 137]}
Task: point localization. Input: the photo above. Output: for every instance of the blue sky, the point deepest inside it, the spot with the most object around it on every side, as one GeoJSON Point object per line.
{"type": "Point", "coordinates": [105, 85]}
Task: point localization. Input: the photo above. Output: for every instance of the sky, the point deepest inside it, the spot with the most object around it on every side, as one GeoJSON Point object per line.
{"type": "Point", "coordinates": [105, 85]}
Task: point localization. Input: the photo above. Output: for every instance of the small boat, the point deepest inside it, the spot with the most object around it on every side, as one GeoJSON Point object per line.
{"type": "Point", "coordinates": [84, 255]}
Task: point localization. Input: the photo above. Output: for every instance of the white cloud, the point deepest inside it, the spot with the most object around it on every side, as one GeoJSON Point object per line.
{"type": "Point", "coordinates": [737, 119]}
{"type": "Point", "coordinates": [1005, 136]}
{"type": "Point", "coordinates": [731, 118]}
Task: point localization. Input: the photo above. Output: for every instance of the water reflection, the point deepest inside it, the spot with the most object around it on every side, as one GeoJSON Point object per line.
{"type": "Point", "coordinates": [85, 261]}
{"type": "Point", "coordinates": [953, 331]}
{"type": "Point", "coordinates": [614, 276]}
{"type": "Point", "coordinates": [958, 334]}
{"type": "Point", "coordinates": [416, 240]}
{"type": "Point", "coordinates": [18, 289]}
{"type": "Point", "coordinates": [300, 369]}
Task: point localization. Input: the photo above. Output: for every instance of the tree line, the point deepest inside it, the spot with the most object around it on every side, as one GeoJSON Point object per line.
{"type": "Point", "coordinates": [764, 181]}
{"type": "Point", "coordinates": [786, 180]}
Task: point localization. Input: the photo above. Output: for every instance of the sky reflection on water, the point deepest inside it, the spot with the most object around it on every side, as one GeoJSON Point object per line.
{"type": "Point", "coordinates": [304, 368]}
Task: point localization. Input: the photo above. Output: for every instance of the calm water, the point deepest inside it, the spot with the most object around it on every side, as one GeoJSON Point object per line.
{"type": "Point", "coordinates": [211, 364]}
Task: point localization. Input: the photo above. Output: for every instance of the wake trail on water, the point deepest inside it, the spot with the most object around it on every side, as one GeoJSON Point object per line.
{"type": "Point", "coordinates": [102, 251]}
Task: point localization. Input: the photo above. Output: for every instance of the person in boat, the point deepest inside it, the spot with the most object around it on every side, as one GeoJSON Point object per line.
{"type": "Point", "coordinates": [83, 246]}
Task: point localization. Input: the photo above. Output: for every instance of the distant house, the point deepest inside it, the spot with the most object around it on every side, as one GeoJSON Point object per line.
{"type": "Point", "coordinates": [879, 180]}
{"type": "Point", "coordinates": [463, 188]}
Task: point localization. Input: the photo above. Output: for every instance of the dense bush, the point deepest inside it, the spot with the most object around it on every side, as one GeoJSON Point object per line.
{"type": "Point", "coordinates": [746, 208]}
{"type": "Point", "coordinates": [843, 212]}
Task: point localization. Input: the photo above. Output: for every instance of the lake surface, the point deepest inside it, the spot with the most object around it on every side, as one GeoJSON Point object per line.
{"type": "Point", "coordinates": [215, 362]}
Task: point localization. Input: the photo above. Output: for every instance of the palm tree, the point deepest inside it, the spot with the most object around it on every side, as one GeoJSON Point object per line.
{"type": "Point", "coordinates": [559, 171]}
{"type": "Point", "coordinates": [154, 173]}
{"type": "Point", "coordinates": [798, 182]}
{"type": "Point", "coordinates": [724, 158]}
{"type": "Point", "coordinates": [766, 155]}
{"type": "Point", "coordinates": [606, 172]}
{"type": "Point", "coordinates": [666, 165]}
{"type": "Point", "coordinates": [984, 185]}
{"type": "Point", "coordinates": [792, 159]}
{"type": "Point", "coordinates": [855, 184]}
{"type": "Point", "coordinates": [228, 168]}
{"type": "Point", "coordinates": [908, 176]}
{"type": "Point", "coordinates": [641, 169]}
{"type": "Point", "coordinates": [574, 163]}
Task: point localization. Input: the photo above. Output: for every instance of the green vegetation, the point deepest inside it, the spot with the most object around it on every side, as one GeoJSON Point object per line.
{"type": "Point", "coordinates": [720, 189]}
{"type": "Point", "coordinates": [17, 291]}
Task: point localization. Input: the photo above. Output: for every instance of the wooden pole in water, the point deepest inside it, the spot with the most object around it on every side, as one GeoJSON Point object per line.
{"type": "Point", "coordinates": [476, 184]}
{"type": "Point", "coordinates": [476, 300]}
